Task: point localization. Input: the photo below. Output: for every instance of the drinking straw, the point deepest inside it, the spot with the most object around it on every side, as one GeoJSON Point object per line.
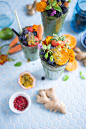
{"type": "Point", "coordinates": [15, 32]}
{"type": "Point", "coordinates": [16, 15]}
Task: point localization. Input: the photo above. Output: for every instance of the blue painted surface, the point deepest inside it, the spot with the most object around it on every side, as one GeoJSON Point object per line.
{"type": "Point", "coordinates": [71, 92]}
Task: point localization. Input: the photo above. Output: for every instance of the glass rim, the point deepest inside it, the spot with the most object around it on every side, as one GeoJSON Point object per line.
{"type": "Point", "coordinates": [80, 10]}
{"type": "Point", "coordinates": [56, 17]}
{"type": "Point", "coordinates": [59, 66]}
{"type": "Point", "coordinates": [28, 46]}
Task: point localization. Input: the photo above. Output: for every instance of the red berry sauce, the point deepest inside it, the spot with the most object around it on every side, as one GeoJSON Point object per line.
{"type": "Point", "coordinates": [20, 103]}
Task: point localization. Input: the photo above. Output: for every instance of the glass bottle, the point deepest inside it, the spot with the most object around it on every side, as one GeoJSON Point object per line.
{"type": "Point", "coordinates": [78, 23]}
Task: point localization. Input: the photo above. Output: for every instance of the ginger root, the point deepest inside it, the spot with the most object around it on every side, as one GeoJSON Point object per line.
{"type": "Point", "coordinates": [53, 103]}
{"type": "Point", "coordinates": [80, 55]}
{"type": "Point", "coordinates": [31, 8]}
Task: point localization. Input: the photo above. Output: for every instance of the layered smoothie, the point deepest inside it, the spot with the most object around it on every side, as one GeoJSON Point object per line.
{"type": "Point", "coordinates": [30, 38]}
{"type": "Point", "coordinates": [55, 53]}
{"type": "Point", "coordinates": [53, 13]}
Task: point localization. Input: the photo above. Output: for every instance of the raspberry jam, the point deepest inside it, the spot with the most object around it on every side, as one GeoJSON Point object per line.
{"type": "Point", "coordinates": [20, 103]}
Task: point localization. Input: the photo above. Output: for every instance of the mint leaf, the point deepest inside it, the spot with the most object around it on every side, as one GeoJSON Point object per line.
{"type": "Point", "coordinates": [51, 58]}
{"type": "Point", "coordinates": [49, 46]}
{"type": "Point", "coordinates": [18, 64]}
{"type": "Point", "coordinates": [82, 77]}
{"type": "Point", "coordinates": [46, 55]}
{"type": "Point", "coordinates": [49, 1]}
{"type": "Point", "coordinates": [50, 52]}
{"type": "Point", "coordinates": [58, 8]}
{"type": "Point", "coordinates": [54, 3]}
{"type": "Point", "coordinates": [66, 77]}
{"type": "Point", "coordinates": [48, 7]}
{"type": "Point", "coordinates": [80, 73]}
{"type": "Point", "coordinates": [45, 47]}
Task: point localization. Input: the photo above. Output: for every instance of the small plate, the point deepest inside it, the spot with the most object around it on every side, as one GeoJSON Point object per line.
{"type": "Point", "coordinates": [83, 35]}
{"type": "Point", "coordinates": [12, 98]}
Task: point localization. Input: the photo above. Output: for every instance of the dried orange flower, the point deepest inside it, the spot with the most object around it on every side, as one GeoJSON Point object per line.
{"type": "Point", "coordinates": [35, 27]}
{"type": "Point", "coordinates": [40, 6]}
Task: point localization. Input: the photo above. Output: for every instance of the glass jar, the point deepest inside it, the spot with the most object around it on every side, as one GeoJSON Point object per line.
{"type": "Point", "coordinates": [78, 23]}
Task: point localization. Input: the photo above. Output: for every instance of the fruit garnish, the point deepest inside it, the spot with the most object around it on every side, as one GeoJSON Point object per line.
{"type": "Point", "coordinates": [25, 31]}
{"type": "Point", "coordinates": [72, 66]}
{"type": "Point", "coordinates": [30, 29]}
{"type": "Point", "coordinates": [35, 33]}
{"type": "Point", "coordinates": [33, 42]}
{"type": "Point", "coordinates": [64, 10]}
{"type": "Point", "coordinates": [71, 40]}
{"type": "Point", "coordinates": [53, 8]}
{"type": "Point", "coordinates": [56, 41]}
{"type": "Point", "coordinates": [60, 57]}
{"type": "Point", "coordinates": [57, 52]}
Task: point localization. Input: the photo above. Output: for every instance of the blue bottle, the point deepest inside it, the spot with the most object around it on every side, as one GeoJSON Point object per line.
{"type": "Point", "coordinates": [78, 23]}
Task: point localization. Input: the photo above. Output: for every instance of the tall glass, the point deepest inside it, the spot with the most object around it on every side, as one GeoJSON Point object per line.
{"type": "Point", "coordinates": [52, 72]}
{"type": "Point", "coordinates": [30, 53]}
{"type": "Point", "coordinates": [6, 14]}
{"type": "Point", "coordinates": [78, 22]}
{"type": "Point", "coordinates": [52, 25]}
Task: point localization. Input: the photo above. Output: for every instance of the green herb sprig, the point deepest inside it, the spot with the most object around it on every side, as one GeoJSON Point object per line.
{"type": "Point", "coordinates": [82, 77]}
{"type": "Point", "coordinates": [48, 52]}
{"type": "Point", "coordinates": [66, 77]}
{"type": "Point", "coordinates": [18, 64]}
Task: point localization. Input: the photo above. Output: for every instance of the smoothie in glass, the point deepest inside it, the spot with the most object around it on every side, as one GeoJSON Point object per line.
{"type": "Point", "coordinates": [53, 13]}
{"type": "Point", "coordinates": [30, 37]}
{"type": "Point", "coordinates": [55, 53]}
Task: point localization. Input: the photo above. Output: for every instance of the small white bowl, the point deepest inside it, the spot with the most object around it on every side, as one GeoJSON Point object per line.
{"type": "Point", "coordinates": [12, 98]}
{"type": "Point", "coordinates": [83, 35]}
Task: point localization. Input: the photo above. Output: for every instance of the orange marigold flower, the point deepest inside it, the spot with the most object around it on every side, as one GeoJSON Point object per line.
{"type": "Point", "coordinates": [47, 40]}
{"type": "Point", "coordinates": [71, 55]}
{"type": "Point", "coordinates": [43, 42]}
{"type": "Point", "coordinates": [35, 27]}
{"type": "Point", "coordinates": [40, 6]}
